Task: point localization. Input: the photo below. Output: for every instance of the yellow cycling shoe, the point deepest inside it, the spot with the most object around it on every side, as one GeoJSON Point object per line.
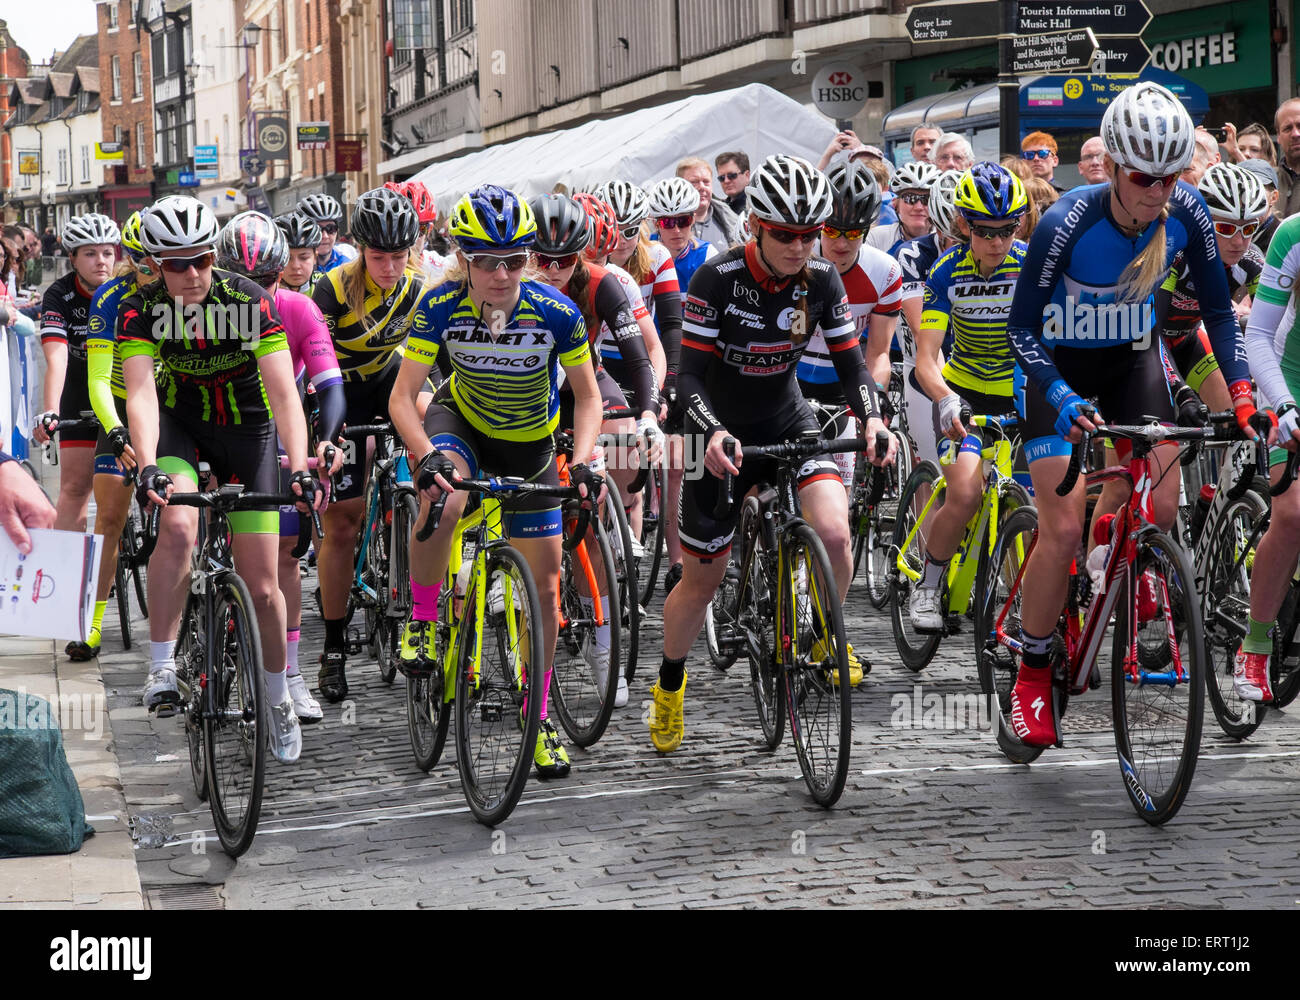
{"type": "Point", "coordinates": [418, 653]}
{"type": "Point", "coordinates": [667, 719]}
{"type": "Point", "coordinates": [550, 757]}
{"type": "Point", "coordinates": [820, 652]}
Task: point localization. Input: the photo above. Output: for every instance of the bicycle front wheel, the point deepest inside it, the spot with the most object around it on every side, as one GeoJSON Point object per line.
{"type": "Point", "coordinates": [652, 534]}
{"type": "Point", "coordinates": [619, 532]}
{"type": "Point", "coordinates": [879, 536]}
{"type": "Point", "coordinates": [1284, 669]}
{"type": "Point", "coordinates": [1225, 610]}
{"type": "Point", "coordinates": [123, 601]}
{"type": "Point", "coordinates": [1157, 679]}
{"type": "Point", "coordinates": [190, 652]}
{"type": "Point", "coordinates": [498, 687]}
{"type": "Point", "coordinates": [234, 731]}
{"type": "Point", "coordinates": [756, 606]}
{"type": "Point", "coordinates": [816, 667]}
{"type": "Point", "coordinates": [915, 649]}
{"type": "Point", "coordinates": [395, 599]}
{"type": "Point", "coordinates": [583, 696]}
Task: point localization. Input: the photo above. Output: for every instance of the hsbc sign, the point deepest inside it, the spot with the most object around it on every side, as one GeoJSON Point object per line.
{"type": "Point", "coordinates": [840, 90]}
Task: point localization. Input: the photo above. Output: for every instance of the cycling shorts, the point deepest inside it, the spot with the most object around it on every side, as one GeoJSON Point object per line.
{"type": "Point", "coordinates": [708, 537]}
{"type": "Point", "coordinates": [1128, 385]}
{"type": "Point", "coordinates": [75, 400]}
{"type": "Point", "coordinates": [526, 517]}
{"type": "Point", "coordinates": [105, 458]}
{"type": "Point", "coordinates": [236, 454]}
{"type": "Point", "coordinates": [1193, 358]}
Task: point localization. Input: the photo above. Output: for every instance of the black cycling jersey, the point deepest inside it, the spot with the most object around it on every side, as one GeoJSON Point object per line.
{"type": "Point", "coordinates": [743, 334]}
{"type": "Point", "coordinates": [608, 303]}
{"type": "Point", "coordinates": [65, 316]}
{"type": "Point", "coordinates": [1178, 309]}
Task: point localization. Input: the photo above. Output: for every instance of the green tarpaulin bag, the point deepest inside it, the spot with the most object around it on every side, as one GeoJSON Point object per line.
{"type": "Point", "coordinates": [41, 811]}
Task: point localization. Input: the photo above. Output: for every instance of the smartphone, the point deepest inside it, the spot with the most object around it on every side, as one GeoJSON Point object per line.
{"type": "Point", "coordinates": [1220, 134]}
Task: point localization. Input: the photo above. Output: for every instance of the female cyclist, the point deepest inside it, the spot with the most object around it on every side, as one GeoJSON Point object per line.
{"type": "Point", "coordinates": [304, 236]}
{"type": "Point", "coordinates": [255, 247]}
{"type": "Point", "coordinates": [327, 213]}
{"type": "Point", "coordinates": [969, 289]}
{"type": "Point", "coordinates": [911, 184]}
{"type": "Point", "coordinates": [765, 297]}
{"type": "Point", "coordinates": [1100, 250]}
{"type": "Point", "coordinates": [368, 305]}
{"type": "Point", "coordinates": [224, 371]}
{"type": "Point", "coordinates": [505, 339]}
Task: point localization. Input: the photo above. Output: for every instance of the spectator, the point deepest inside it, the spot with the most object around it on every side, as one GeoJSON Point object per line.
{"type": "Point", "coordinates": [881, 172]}
{"type": "Point", "coordinates": [1267, 175]}
{"type": "Point", "coordinates": [733, 175]}
{"type": "Point", "coordinates": [48, 242]}
{"type": "Point", "coordinates": [1039, 150]}
{"type": "Point", "coordinates": [1206, 155]}
{"type": "Point", "coordinates": [845, 141]}
{"type": "Point", "coordinates": [953, 152]}
{"type": "Point", "coordinates": [22, 504]}
{"type": "Point", "coordinates": [1018, 166]}
{"type": "Point", "coordinates": [924, 138]}
{"type": "Point", "coordinates": [714, 220]}
{"type": "Point", "coordinates": [1287, 120]}
{"type": "Point", "coordinates": [1251, 143]}
{"type": "Point", "coordinates": [1092, 161]}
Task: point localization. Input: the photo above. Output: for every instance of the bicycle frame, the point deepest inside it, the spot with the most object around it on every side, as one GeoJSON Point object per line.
{"type": "Point", "coordinates": [388, 471]}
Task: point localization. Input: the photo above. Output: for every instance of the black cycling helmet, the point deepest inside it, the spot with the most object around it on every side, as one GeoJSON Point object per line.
{"type": "Point", "coordinates": [300, 230]}
{"type": "Point", "coordinates": [321, 208]}
{"type": "Point", "coordinates": [855, 196]}
{"type": "Point", "coordinates": [561, 225]}
{"type": "Point", "coordinates": [384, 220]}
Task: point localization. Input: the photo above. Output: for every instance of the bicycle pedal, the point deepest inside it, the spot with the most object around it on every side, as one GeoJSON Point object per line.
{"type": "Point", "coordinates": [355, 643]}
{"type": "Point", "coordinates": [953, 625]}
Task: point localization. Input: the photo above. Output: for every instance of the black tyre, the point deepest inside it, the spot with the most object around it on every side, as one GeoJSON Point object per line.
{"type": "Point", "coordinates": [235, 736]}
{"type": "Point", "coordinates": [1225, 610]}
{"type": "Point", "coordinates": [1284, 670]}
{"type": "Point", "coordinates": [652, 534]}
{"type": "Point", "coordinates": [120, 586]}
{"type": "Point", "coordinates": [498, 692]}
{"type": "Point", "coordinates": [1158, 724]}
{"type": "Point", "coordinates": [130, 546]}
{"type": "Point", "coordinates": [721, 636]}
{"type": "Point", "coordinates": [620, 541]}
{"type": "Point", "coordinates": [998, 571]}
{"type": "Point", "coordinates": [582, 705]}
{"type": "Point", "coordinates": [817, 668]}
{"type": "Point", "coordinates": [914, 648]}
{"type": "Point", "coordinates": [427, 715]}
{"type": "Point", "coordinates": [880, 522]}
{"type": "Point", "coordinates": [757, 602]}
{"type": "Point", "coordinates": [381, 562]}
{"type": "Point", "coordinates": [190, 665]}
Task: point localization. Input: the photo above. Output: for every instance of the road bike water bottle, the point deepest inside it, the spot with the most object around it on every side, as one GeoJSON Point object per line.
{"type": "Point", "coordinates": [1201, 510]}
{"type": "Point", "coordinates": [1096, 563]}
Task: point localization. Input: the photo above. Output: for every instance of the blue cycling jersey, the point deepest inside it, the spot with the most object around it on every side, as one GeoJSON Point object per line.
{"type": "Point", "coordinates": [689, 262]}
{"type": "Point", "coordinates": [1067, 292]}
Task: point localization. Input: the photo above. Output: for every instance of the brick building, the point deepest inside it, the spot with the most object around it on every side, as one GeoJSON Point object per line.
{"type": "Point", "coordinates": [126, 106]}
{"type": "Point", "coordinates": [13, 67]}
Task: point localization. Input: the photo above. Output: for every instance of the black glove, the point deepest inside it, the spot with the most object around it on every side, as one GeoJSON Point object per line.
{"type": "Point", "coordinates": [120, 438]}
{"type": "Point", "coordinates": [151, 478]}
{"type": "Point", "coordinates": [308, 484]}
{"type": "Point", "coordinates": [582, 475]}
{"type": "Point", "coordinates": [1191, 411]}
{"type": "Point", "coordinates": [433, 464]}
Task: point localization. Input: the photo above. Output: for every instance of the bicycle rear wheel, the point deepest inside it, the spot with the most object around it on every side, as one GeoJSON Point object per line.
{"type": "Point", "coordinates": [395, 599]}
{"type": "Point", "coordinates": [579, 699]}
{"type": "Point", "coordinates": [498, 686]}
{"type": "Point", "coordinates": [880, 519]}
{"type": "Point", "coordinates": [816, 667]}
{"type": "Point", "coordinates": [1158, 714]}
{"type": "Point", "coordinates": [619, 533]}
{"type": "Point", "coordinates": [652, 534]}
{"type": "Point", "coordinates": [427, 716]}
{"type": "Point", "coordinates": [123, 601]}
{"type": "Point", "coordinates": [1225, 609]}
{"type": "Point", "coordinates": [1284, 670]}
{"type": "Point", "coordinates": [757, 600]}
{"type": "Point", "coordinates": [916, 649]}
{"type": "Point", "coordinates": [720, 632]}
{"type": "Point", "coordinates": [234, 734]}
{"type": "Point", "coordinates": [998, 571]}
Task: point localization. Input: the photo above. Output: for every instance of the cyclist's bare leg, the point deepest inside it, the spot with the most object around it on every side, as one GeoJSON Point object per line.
{"type": "Point", "coordinates": [76, 470]}
{"type": "Point", "coordinates": [112, 502]}
{"type": "Point", "coordinates": [429, 558]}
{"type": "Point", "coordinates": [826, 507]}
{"type": "Point", "coordinates": [686, 606]}
{"type": "Point", "coordinates": [290, 581]}
{"type": "Point", "coordinates": [256, 557]}
{"type": "Point", "coordinates": [1275, 556]}
{"type": "Point", "coordinates": [1114, 495]}
{"type": "Point", "coordinates": [544, 556]}
{"type": "Point", "coordinates": [965, 491]}
{"type": "Point", "coordinates": [169, 566]}
{"type": "Point", "coordinates": [334, 557]}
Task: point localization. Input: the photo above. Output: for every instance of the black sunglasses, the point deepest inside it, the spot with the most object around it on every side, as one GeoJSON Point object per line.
{"type": "Point", "coordinates": [329, 227]}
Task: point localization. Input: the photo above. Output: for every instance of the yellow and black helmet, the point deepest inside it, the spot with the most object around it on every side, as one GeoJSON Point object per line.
{"type": "Point", "coordinates": [492, 218]}
{"type": "Point", "coordinates": [131, 236]}
{"type": "Point", "coordinates": [990, 191]}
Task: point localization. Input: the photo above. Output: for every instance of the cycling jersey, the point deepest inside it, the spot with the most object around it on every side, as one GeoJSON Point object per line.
{"type": "Point", "coordinates": [977, 308]}
{"type": "Point", "coordinates": [1272, 336]}
{"type": "Point", "coordinates": [313, 355]}
{"type": "Point", "coordinates": [873, 284]}
{"type": "Point", "coordinates": [103, 358]}
{"type": "Point", "coordinates": [662, 293]}
{"type": "Point", "coordinates": [65, 319]}
{"type": "Point", "coordinates": [604, 341]}
{"type": "Point", "coordinates": [688, 262]}
{"type": "Point", "coordinates": [1178, 309]}
{"type": "Point", "coordinates": [209, 373]}
{"type": "Point", "coordinates": [617, 299]}
{"type": "Point", "coordinates": [366, 345]}
{"type": "Point", "coordinates": [504, 383]}
{"type": "Point", "coordinates": [742, 338]}
{"type": "Point", "coordinates": [1076, 257]}
{"type": "Point", "coordinates": [889, 238]}
{"type": "Point", "coordinates": [341, 254]}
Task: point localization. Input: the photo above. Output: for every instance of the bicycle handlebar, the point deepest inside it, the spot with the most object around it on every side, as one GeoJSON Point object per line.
{"type": "Point", "coordinates": [231, 497]}
{"type": "Point", "coordinates": [789, 451]}
{"type": "Point", "coordinates": [493, 487]}
{"type": "Point", "coordinates": [367, 430]}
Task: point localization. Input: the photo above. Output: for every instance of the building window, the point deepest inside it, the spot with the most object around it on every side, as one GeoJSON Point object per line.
{"type": "Point", "coordinates": [139, 144]}
{"type": "Point", "coordinates": [27, 181]}
{"type": "Point", "coordinates": [112, 14]}
{"type": "Point", "coordinates": [117, 78]}
{"type": "Point", "coordinates": [137, 67]}
{"type": "Point", "coordinates": [85, 164]}
{"type": "Point", "coordinates": [462, 16]}
{"type": "Point", "coordinates": [63, 166]}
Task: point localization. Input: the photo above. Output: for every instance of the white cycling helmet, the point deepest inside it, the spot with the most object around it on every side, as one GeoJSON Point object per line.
{"type": "Point", "coordinates": [629, 202]}
{"type": "Point", "coordinates": [788, 191]}
{"type": "Point", "coordinates": [1232, 192]}
{"type": "Point", "coordinates": [89, 230]}
{"type": "Point", "coordinates": [1146, 128]}
{"type": "Point", "coordinates": [673, 196]}
{"type": "Point", "coordinates": [915, 176]}
{"type": "Point", "coordinates": [943, 210]}
{"type": "Point", "coordinates": [178, 223]}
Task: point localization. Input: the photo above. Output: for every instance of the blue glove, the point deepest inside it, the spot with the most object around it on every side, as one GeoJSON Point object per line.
{"type": "Point", "coordinates": [1068, 404]}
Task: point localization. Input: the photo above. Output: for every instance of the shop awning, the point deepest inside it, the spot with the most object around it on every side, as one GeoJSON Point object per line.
{"type": "Point", "coordinates": [641, 146]}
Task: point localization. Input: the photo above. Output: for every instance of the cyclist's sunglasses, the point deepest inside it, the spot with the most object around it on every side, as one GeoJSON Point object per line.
{"type": "Point", "coordinates": [831, 233]}
{"type": "Point", "coordinates": [675, 222]}
{"type": "Point", "coordinates": [631, 232]}
{"type": "Point", "coordinates": [790, 235]}
{"type": "Point", "coordinates": [1041, 154]}
{"type": "Point", "coordinates": [548, 261]}
{"type": "Point", "coordinates": [179, 265]}
{"type": "Point", "coordinates": [1151, 180]}
{"type": "Point", "coordinates": [490, 262]}
{"type": "Point", "coordinates": [1228, 229]}
{"type": "Point", "coordinates": [994, 232]}
{"type": "Point", "coordinates": [914, 197]}
{"type": "Point", "coordinates": [329, 227]}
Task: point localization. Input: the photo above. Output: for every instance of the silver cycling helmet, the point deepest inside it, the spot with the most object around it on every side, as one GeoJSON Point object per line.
{"type": "Point", "coordinates": [1146, 128]}
{"type": "Point", "coordinates": [788, 191]}
{"type": "Point", "coordinates": [673, 196]}
{"type": "Point", "coordinates": [1233, 192]}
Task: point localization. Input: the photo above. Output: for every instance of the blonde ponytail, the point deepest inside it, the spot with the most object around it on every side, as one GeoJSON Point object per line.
{"type": "Point", "coordinates": [1148, 269]}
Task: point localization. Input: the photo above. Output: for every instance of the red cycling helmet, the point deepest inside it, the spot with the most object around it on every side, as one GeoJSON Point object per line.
{"type": "Point", "coordinates": [602, 223]}
{"type": "Point", "coordinates": [418, 195]}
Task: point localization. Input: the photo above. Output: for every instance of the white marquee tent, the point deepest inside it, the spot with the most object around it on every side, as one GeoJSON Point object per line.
{"type": "Point", "coordinates": [641, 146]}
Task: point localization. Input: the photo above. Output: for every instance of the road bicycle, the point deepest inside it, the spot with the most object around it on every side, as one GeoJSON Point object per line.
{"type": "Point", "coordinates": [966, 587]}
{"type": "Point", "coordinates": [778, 604]}
{"type": "Point", "coordinates": [1158, 642]}
{"type": "Point", "coordinates": [219, 665]}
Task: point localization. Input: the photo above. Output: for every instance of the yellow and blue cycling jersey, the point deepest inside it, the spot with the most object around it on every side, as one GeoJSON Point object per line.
{"type": "Point", "coordinates": [504, 380]}
{"type": "Point", "coordinates": [367, 344]}
{"type": "Point", "coordinates": [977, 308]}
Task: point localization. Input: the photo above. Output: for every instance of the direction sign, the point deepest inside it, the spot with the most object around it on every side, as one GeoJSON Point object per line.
{"type": "Point", "coordinates": [1121, 56]}
{"type": "Point", "coordinates": [939, 22]}
{"type": "Point", "coordinates": [1053, 53]}
{"type": "Point", "coordinates": [1110, 17]}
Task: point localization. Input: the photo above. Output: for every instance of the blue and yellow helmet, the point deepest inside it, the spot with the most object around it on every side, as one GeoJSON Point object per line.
{"type": "Point", "coordinates": [492, 218]}
{"type": "Point", "coordinates": [990, 191]}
